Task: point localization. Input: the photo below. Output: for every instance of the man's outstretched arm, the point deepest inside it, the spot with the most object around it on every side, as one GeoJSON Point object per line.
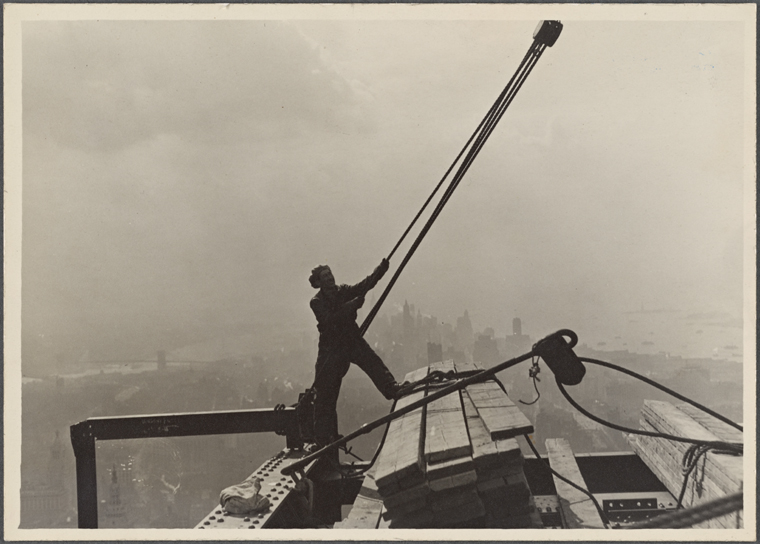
{"type": "Point", "coordinates": [361, 288]}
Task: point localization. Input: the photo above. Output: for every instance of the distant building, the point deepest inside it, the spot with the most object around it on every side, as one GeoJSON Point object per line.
{"type": "Point", "coordinates": [116, 512]}
{"type": "Point", "coordinates": [485, 350]}
{"type": "Point", "coordinates": [45, 504]}
{"type": "Point", "coordinates": [451, 354]}
{"type": "Point", "coordinates": [463, 333]}
{"type": "Point", "coordinates": [435, 353]}
{"type": "Point", "coordinates": [516, 343]}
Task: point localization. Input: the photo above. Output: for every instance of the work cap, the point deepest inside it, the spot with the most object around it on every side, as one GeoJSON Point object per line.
{"type": "Point", "coordinates": [314, 279]}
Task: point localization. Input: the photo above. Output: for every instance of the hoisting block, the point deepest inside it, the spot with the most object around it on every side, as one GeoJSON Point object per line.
{"type": "Point", "coordinates": [547, 32]}
{"type": "Point", "coordinates": [560, 357]}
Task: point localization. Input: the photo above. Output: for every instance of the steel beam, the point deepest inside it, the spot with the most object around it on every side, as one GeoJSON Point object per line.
{"type": "Point", "coordinates": [85, 433]}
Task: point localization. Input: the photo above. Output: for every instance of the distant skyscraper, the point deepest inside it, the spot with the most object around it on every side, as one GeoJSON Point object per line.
{"type": "Point", "coordinates": [464, 333]}
{"type": "Point", "coordinates": [485, 350]}
{"type": "Point", "coordinates": [115, 509]}
{"type": "Point", "coordinates": [435, 353]}
{"type": "Point", "coordinates": [517, 343]}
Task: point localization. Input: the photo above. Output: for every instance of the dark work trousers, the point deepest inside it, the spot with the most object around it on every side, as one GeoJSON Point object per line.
{"type": "Point", "coordinates": [332, 365]}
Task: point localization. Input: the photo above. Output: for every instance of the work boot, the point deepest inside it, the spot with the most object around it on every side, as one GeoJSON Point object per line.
{"type": "Point", "coordinates": [399, 389]}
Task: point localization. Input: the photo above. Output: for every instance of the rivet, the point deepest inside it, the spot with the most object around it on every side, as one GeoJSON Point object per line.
{"type": "Point", "coordinates": [218, 512]}
{"type": "Point", "coordinates": [206, 523]}
{"type": "Point", "coordinates": [212, 517]}
{"type": "Point", "coordinates": [220, 520]}
{"type": "Point", "coordinates": [246, 519]}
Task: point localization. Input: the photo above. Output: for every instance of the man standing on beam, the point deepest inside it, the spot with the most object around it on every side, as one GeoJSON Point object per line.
{"type": "Point", "coordinates": [340, 344]}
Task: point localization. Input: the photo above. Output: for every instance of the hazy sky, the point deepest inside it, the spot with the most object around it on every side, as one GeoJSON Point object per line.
{"type": "Point", "coordinates": [181, 176]}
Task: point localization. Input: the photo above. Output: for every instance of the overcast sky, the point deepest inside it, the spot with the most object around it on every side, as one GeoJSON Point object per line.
{"type": "Point", "coordinates": [186, 176]}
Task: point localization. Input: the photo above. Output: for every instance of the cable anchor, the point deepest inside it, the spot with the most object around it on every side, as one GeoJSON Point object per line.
{"type": "Point", "coordinates": [533, 372]}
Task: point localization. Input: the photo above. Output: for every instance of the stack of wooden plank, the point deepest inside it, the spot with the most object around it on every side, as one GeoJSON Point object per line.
{"type": "Point", "coordinates": [367, 510]}
{"type": "Point", "coordinates": [455, 462]}
{"type": "Point", "coordinates": [715, 476]}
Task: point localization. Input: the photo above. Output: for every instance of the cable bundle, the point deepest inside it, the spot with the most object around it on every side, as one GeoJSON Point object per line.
{"type": "Point", "coordinates": [470, 151]}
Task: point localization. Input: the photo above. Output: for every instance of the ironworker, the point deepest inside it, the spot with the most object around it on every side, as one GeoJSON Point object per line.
{"type": "Point", "coordinates": [340, 344]}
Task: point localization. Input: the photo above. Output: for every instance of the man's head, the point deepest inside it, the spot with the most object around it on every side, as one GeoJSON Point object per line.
{"type": "Point", "coordinates": [322, 278]}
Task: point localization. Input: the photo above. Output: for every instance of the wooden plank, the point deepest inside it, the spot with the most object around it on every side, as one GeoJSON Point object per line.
{"type": "Point", "coordinates": [367, 508]}
{"type": "Point", "coordinates": [505, 422]}
{"type": "Point", "coordinates": [470, 412]}
{"type": "Point", "coordinates": [501, 417]}
{"type": "Point", "coordinates": [416, 375]}
{"type": "Point", "coordinates": [450, 467]}
{"type": "Point", "coordinates": [717, 427]}
{"type": "Point", "coordinates": [404, 509]}
{"type": "Point", "coordinates": [578, 510]}
{"type": "Point", "coordinates": [453, 498]}
{"type": "Point", "coordinates": [400, 454]}
{"type": "Point", "coordinates": [400, 462]}
{"type": "Point", "coordinates": [383, 523]}
{"type": "Point", "coordinates": [443, 366]}
{"type": "Point", "coordinates": [459, 514]}
{"type": "Point", "coordinates": [664, 458]}
{"type": "Point", "coordinates": [407, 495]}
{"type": "Point", "coordinates": [485, 451]}
{"type": "Point", "coordinates": [365, 514]}
{"type": "Point", "coordinates": [419, 519]}
{"type": "Point", "coordinates": [451, 482]}
{"type": "Point", "coordinates": [445, 430]}
{"type": "Point", "coordinates": [659, 455]}
{"type": "Point", "coordinates": [468, 366]}
{"type": "Point", "coordinates": [726, 470]}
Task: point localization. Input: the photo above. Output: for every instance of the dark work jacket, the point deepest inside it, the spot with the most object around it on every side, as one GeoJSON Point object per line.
{"type": "Point", "coordinates": [336, 322]}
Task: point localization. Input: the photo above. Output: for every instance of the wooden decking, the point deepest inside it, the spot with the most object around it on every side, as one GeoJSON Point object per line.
{"type": "Point", "coordinates": [452, 463]}
{"type": "Point", "coordinates": [715, 476]}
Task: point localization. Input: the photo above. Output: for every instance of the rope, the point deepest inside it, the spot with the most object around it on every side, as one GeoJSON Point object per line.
{"type": "Point", "coordinates": [483, 132]}
{"type": "Point", "coordinates": [690, 461]}
{"type": "Point", "coordinates": [687, 518]}
{"type": "Point", "coordinates": [438, 377]}
{"type": "Point", "coordinates": [367, 427]}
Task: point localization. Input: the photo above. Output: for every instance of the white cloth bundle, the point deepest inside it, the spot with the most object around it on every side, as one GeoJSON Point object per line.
{"type": "Point", "coordinates": [244, 497]}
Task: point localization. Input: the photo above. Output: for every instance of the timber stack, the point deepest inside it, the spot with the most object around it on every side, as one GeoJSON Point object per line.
{"type": "Point", "coordinates": [454, 462]}
{"type": "Point", "coordinates": [715, 475]}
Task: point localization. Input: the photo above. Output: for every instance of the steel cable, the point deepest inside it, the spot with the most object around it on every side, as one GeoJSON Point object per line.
{"type": "Point", "coordinates": [602, 513]}
{"type": "Point", "coordinates": [663, 388]}
{"type": "Point", "coordinates": [483, 132]}
{"type": "Point", "coordinates": [736, 448]}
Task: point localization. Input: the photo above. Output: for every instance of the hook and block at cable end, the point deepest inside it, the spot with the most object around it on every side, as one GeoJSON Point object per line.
{"type": "Point", "coordinates": [547, 32]}
{"type": "Point", "coordinates": [559, 356]}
